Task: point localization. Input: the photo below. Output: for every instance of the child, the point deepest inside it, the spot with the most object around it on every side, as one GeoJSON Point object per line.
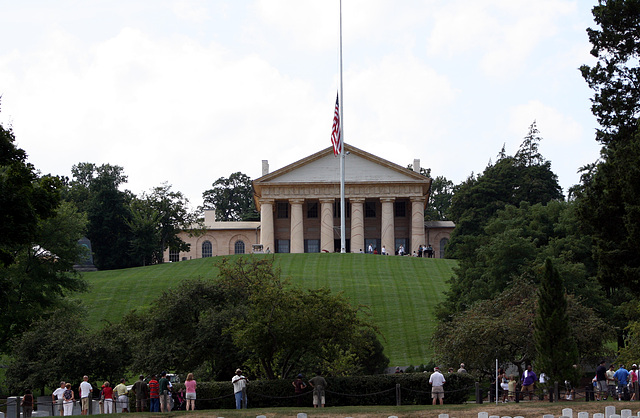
{"type": "Point", "coordinates": [512, 388]}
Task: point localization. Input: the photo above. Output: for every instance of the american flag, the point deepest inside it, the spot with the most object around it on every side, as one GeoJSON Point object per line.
{"type": "Point", "coordinates": [336, 137]}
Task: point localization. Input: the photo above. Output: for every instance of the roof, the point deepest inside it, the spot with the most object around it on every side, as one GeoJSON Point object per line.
{"type": "Point", "coordinates": [439, 224]}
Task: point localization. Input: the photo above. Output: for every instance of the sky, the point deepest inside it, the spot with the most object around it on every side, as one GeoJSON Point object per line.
{"type": "Point", "coordinates": [188, 91]}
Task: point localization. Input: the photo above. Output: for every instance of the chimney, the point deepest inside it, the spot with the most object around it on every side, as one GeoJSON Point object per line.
{"type": "Point", "coordinates": [265, 167]}
{"type": "Point", "coordinates": [209, 216]}
{"type": "Point", "coordinates": [416, 165]}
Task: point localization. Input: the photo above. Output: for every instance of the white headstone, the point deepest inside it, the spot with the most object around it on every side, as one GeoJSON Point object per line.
{"type": "Point", "coordinates": [302, 415]}
{"type": "Point", "coordinates": [567, 412]}
{"type": "Point", "coordinates": [506, 416]}
{"type": "Point", "coordinates": [494, 416]}
{"type": "Point", "coordinates": [40, 413]}
{"type": "Point", "coordinates": [609, 410]}
{"type": "Point", "coordinates": [583, 415]}
{"type": "Point", "coordinates": [443, 416]}
{"type": "Point", "coordinates": [547, 416]}
{"type": "Point", "coordinates": [261, 416]}
{"type": "Point", "coordinates": [1, 414]}
{"type": "Point", "coordinates": [614, 416]}
{"type": "Point", "coordinates": [598, 415]}
{"type": "Point", "coordinates": [626, 413]}
{"type": "Point", "coordinates": [483, 415]}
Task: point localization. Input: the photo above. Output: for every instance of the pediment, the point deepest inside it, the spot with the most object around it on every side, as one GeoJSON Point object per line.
{"type": "Point", "coordinates": [324, 167]}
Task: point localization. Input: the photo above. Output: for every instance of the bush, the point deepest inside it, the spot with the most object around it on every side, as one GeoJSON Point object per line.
{"type": "Point", "coordinates": [341, 391]}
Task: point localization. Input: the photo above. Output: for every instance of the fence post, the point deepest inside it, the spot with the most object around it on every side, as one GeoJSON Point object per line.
{"type": "Point", "coordinates": [551, 396]}
{"type": "Point", "coordinates": [398, 400]}
{"type": "Point", "coordinates": [556, 391]}
{"type": "Point", "coordinates": [517, 395]}
{"type": "Point", "coordinates": [478, 393]}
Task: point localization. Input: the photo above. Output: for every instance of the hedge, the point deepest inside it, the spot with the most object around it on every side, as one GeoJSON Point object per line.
{"type": "Point", "coordinates": [340, 391]}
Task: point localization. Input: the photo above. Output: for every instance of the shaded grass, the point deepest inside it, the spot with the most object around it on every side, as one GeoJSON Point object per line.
{"type": "Point", "coordinates": [401, 292]}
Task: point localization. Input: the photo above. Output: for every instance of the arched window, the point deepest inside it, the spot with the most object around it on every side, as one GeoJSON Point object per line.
{"type": "Point", "coordinates": [207, 249]}
{"type": "Point", "coordinates": [239, 247]}
{"type": "Point", "coordinates": [443, 243]}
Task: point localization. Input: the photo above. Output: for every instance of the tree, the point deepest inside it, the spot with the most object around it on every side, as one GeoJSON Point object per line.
{"type": "Point", "coordinates": [170, 210]}
{"type": "Point", "coordinates": [42, 274]}
{"type": "Point", "coordinates": [616, 76]}
{"type": "Point", "coordinates": [502, 327]}
{"type": "Point", "coordinates": [232, 198]}
{"type": "Point", "coordinates": [556, 349]}
{"type": "Point", "coordinates": [609, 196]}
{"type": "Point", "coordinates": [439, 199]}
{"type": "Point", "coordinates": [25, 198]}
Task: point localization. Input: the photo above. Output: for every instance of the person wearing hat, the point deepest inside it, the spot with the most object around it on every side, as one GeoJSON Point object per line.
{"type": "Point", "coordinates": [436, 380]}
{"type": "Point", "coordinates": [240, 389]}
{"type": "Point", "coordinates": [299, 387]}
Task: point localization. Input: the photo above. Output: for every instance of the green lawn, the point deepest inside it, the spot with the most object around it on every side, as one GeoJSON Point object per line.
{"type": "Point", "coordinates": [401, 291]}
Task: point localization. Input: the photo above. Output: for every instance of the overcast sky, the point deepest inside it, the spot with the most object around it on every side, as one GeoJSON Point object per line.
{"type": "Point", "coordinates": [187, 91]}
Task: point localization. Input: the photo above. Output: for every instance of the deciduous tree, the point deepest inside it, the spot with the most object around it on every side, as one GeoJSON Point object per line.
{"type": "Point", "coordinates": [232, 198]}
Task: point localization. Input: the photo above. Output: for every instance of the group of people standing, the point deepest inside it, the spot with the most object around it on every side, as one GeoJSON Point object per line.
{"type": "Point", "coordinates": [154, 393]}
{"type": "Point", "coordinates": [425, 251]}
{"type": "Point", "coordinates": [622, 383]}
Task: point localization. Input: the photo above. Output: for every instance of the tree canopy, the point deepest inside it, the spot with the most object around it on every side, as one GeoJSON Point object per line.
{"type": "Point", "coordinates": [232, 198]}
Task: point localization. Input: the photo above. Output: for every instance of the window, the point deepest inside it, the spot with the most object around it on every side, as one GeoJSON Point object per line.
{"type": "Point", "coordinates": [282, 245]}
{"type": "Point", "coordinates": [174, 256]}
{"type": "Point", "coordinates": [312, 209]}
{"type": "Point", "coordinates": [207, 249]}
{"type": "Point", "coordinates": [443, 243]}
{"type": "Point", "coordinates": [369, 209]}
{"type": "Point", "coordinates": [283, 210]}
{"type": "Point", "coordinates": [401, 209]}
{"type": "Point", "coordinates": [311, 245]}
{"type": "Point", "coordinates": [238, 247]}
{"type": "Point", "coordinates": [336, 208]}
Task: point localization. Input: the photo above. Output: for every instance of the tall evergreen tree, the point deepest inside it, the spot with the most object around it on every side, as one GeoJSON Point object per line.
{"type": "Point", "coordinates": [556, 350]}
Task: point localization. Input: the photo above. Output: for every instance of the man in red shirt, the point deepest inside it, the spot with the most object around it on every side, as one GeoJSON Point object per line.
{"type": "Point", "coordinates": [154, 395]}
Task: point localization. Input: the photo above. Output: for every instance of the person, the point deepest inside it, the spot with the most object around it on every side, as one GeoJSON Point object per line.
{"type": "Point", "coordinates": [68, 399]}
{"type": "Point", "coordinates": [436, 380]}
{"type": "Point", "coordinates": [121, 394]}
{"type": "Point", "coordinates": [420, 250]}
{"type": "Point", "coordinates": [601, 379]}
{"type": "Point", "coordinates": [58, 396]}
{"type": "Point", "coordinates": [361, 252]}
{"type": "Point", "coordinates": [611, 381]}
{"type": "Point", "coordinates": [107, 398]}
{"type": "Point", "coordinates": [633, 381]}
{"type": "Point", "coordinates": [318, 384]}
{"type": "Point", "coordinates": [429, 251]}
{"type": "Point", "coordinates": [165, 405]}
{"type": "Point", "coordinates": [190, 386]}
{"type": "Point", "coordinates": [504, 384]}
{"type": "Point", "coordinates": [462, 369]}
{"type": "Point", "coordinates": [240, 389]}
{"type": "Point", "coordinates": [268, 251]}
{"type": "Point", "coordinates": [85, 394]}
{"type": "Point", "coordinates": [27, 404]}
{"type": "Point", "coordinates": [299, 387]}
{"type": "Point", "coordinates": [622, 376]}
{"type": "Point", "coordinates": [529, 379]}
{"type": "Point", "coordinates": [398, 370]}
{"type": "Point", "coordinates": [512, 388]}
{"type": "Point", "coordinates": [154, 394]}
{"type": "Point", "coordinates": [384, 250]}
{"type": "Point", "coordinates": [370, 250]}
{"type": "Point", "coordinates": [141, 391]}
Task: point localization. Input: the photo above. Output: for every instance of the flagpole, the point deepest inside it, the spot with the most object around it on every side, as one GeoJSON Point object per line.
{"type": "Point", "coordinates": [342, 205]}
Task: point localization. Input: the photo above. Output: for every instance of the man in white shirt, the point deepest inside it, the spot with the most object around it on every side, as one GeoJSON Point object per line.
{"type": "Point", "coordinates": [85, 394]}
{"type": "Point", "coordinates": [57, 397]}
{"type": "Point", "coordinates": [437, 380]}
{"type": "Point", "coordinates": [240, 389]}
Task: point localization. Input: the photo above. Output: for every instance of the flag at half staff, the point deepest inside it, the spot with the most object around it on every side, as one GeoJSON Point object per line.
{"type": "Point", "coordinates": [336, 136]}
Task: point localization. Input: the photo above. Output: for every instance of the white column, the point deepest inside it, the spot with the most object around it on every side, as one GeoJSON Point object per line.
{"type": "Point", "coordinates": [387, 225]}
{"type": "Point", "coordinates": [297, 227]}
{"type": "Point", "coordinates": [266, 225]}
{"type": "Point", "coordinates": [326, 225]}
{"type": "Point", "coordinates": [417, 222]}
{"type": "Point", "coordinates": [357, 224]}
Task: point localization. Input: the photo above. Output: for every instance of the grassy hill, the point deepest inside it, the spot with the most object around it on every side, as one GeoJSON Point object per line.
{"type": "Point", "coordinates": [401, 291]}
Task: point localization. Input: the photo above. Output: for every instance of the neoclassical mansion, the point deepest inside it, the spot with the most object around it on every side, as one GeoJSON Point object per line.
{"type": "Point", "coordinates": [299, 208]}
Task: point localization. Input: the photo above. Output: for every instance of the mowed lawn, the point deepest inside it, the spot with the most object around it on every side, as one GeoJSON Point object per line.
{"type": "Point", "coordinates": [402, 292]}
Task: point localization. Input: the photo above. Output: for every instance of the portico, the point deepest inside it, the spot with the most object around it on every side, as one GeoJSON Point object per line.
{"type": "Point", "coordinates": [300, 210]}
